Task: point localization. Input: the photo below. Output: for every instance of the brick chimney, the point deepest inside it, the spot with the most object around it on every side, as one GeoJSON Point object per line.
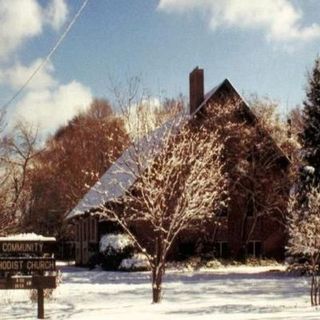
{"type": "Point", "coordinates": [196, 82]}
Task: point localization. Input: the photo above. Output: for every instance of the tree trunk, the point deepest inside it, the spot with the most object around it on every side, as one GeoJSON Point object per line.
{"type": "Point", "coordinates": [312, 289]}
{"type": "Point", "coordinates": [315, 283]}
{"type": "Point", "coordinates": [315, 291]}
{"type": "Point", "coordinates": [158, 270]}
{"type": "Point", "coordinates": [157, 274]}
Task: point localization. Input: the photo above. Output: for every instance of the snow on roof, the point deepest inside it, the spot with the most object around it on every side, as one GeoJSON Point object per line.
{"type": "Point", "coordinates": [27, 237]}
{"type": "Point", "coordinates": [124, 172]}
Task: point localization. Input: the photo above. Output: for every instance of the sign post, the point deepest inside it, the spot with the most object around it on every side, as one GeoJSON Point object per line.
{"type": "Point", "coordinates": [40, 304]}
{"type": "Point", "coordinates": [21, 272]}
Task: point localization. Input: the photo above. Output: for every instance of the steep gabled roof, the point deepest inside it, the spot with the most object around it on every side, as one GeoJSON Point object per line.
{"type": "Point", "coordinates": [124, 171]}
{"type": "Point", "coordinates": [116, 181]}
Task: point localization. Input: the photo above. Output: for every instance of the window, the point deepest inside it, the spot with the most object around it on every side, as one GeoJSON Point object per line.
{"type": "Point", "coordinates": [87, 229]}
{"type": "Point", "coordinates": [95, 239]}
{"type": "Point", "coordinates": [91, 228]}
{"type": "Point", "coordinates": [254, 249]}
{"type": "Point", "coordinates": [78, 231]}
{"type": "Point", "coordinates": [221, 249]}
{"type": "Point", "coordinates": [250, 207]}
{"type": "Point", "coordinates": [93, 224]}
{"type": "Point", "coordinates": [84, 230]}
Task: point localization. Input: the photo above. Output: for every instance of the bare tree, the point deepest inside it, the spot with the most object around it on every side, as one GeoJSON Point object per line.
{"type": "Point", "coordinates": [284, 131]}
{"type": "Point", "coordinates": [4, 175]}
{"type": "Point", "coordinates": [304, 235]}
{"type": "Point", "coordinates": [295, 121]}
{"type": "Point", "coordinates": [18, 150]}
{"type": "Point", "coordinates": [142, 112]}
{"type": "Point", "coordinates": [179, 181]}
{"type": "Point", "coordinates": [257, 165]}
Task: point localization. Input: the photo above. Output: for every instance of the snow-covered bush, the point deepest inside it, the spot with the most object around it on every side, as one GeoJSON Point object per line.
{"type": "Point", "coordinates": [213, 264]}
{"type": "Point", "coordinates": [304, 236]}
{"type": "Point", "coordinates": [114, 242]}
{"type": "Point", "coordinates": [113, 249]}
{"type": "Point", "coordinates": [138, 262]}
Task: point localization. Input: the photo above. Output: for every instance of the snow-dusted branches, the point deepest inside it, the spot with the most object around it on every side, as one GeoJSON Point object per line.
{"type": "Point", "coordinates": [304, 225]}
{"type": "Point", "coordinates": [17, 152]}
{"type": "Point", "coordinates": [180, 181]}
{"type": "Point", "coordinates": [141, 111]}
{"type": "Point", "coordinates": [304, 235]}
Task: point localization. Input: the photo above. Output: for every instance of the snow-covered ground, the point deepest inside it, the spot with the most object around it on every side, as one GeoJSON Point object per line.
{"type": "Point", "coordinates": [27, 237]}
{"type": "Point", "coordinates": [233, 293]}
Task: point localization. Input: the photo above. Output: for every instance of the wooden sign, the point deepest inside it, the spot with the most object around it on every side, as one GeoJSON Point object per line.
{"type": "Point", "coordinates": [16, 283]}
{"type": "Point", "coordinates": [31, 282]}
{"type": "Point", "coordinates": [44, 282]}
{"type": "Point", "coordinates": [13, 261]}
{"type": "Point", "coordinates": [27, 264]}
{"type": "Point", "coordinates": [18, 247]}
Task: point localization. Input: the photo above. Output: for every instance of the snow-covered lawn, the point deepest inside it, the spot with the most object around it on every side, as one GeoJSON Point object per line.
{"type": "Point", "coordinates": [230, 293]}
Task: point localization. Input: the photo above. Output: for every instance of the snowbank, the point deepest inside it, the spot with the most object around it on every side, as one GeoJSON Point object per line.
{"type": "Point", "coordinates": [137, 262]}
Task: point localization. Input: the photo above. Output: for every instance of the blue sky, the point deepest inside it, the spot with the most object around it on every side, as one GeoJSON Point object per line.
{"type": "Point", "coordinates": [262, 46]}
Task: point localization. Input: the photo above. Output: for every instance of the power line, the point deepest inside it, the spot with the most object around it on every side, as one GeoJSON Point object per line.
{"type": "Point", "coordinates": [49, 55]}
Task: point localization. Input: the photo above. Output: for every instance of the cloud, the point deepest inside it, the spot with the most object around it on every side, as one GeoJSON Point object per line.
{"type": "Point", "coordinates": [23, 20]}
{"type": "Point", "coordinates": [16, 75]}
{"type": "Point", "coordinates": [56, 13]}
{"type": "Point", "coordinates": [51, 108]}
{"type": "Point", "coordinates": [280, 20]}
{"type": "Point", "coordinates": [46, 102]}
